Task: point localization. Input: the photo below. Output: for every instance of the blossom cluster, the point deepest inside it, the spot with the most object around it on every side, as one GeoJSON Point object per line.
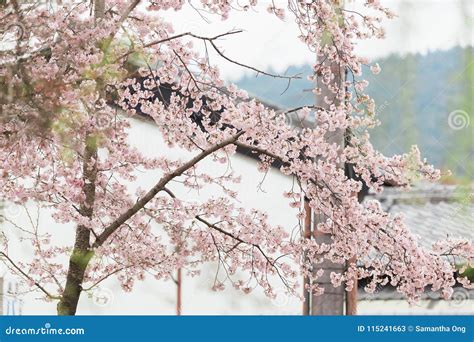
{"type": "Point", "coordinates": [78, 82]}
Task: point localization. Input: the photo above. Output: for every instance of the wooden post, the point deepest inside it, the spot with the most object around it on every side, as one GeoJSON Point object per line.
{"type": "Point", "coordinates": [351, 296]}
{"type": "Point", "coordinates": [332, 301]}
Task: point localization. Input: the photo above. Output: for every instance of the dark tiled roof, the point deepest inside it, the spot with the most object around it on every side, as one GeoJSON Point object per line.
{"type": "Point", "coordinates": [433, 212]}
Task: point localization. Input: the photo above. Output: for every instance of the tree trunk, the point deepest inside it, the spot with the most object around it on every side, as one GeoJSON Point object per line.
{"type": "Point", "coordinates": [82, 252]}
{"type": "Point", "coordinates": [78, 262]}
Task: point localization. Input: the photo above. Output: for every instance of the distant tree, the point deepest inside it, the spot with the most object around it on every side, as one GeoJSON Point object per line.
{"type": "Point", "coordinates": [67, 67]}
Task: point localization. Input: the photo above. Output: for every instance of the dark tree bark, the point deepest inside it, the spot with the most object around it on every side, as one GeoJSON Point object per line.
{"type": "Point", "coordinates": [82, 252]}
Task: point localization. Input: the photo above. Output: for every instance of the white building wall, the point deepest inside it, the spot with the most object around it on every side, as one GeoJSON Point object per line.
{"type": "Point", "coordinates": [159, 297]}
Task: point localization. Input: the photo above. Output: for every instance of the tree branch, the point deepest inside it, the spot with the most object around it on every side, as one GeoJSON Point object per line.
{"type": "Point", "coordinates": [216, 48]}
{"type": "Point", "coordinates": [127, 12]}
{"type": "Point", "coordinates": [270, 262]}
{"type": "Point", "coordinates": [160, 186]}
{"type": "Point", "coordinates": [46, 292]}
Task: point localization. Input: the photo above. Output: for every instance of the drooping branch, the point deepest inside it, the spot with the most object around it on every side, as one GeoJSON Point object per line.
{"type": "Point", "coordinates": [24, 274]}
{"type": "Point", "coordinates": [239, 240]}
{"type": "Point", "coordinates": [269, 261]}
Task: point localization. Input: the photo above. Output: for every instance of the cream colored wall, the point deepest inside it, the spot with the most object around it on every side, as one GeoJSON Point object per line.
{"type": "Point", "coordinates": [158, 297]}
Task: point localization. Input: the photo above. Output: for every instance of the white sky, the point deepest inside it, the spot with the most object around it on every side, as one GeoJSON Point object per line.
{"type": "Point", "coordinates": [267, 42]}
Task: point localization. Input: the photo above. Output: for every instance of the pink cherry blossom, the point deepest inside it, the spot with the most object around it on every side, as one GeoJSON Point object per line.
{"type": "Point", "coordinates": [80, 75]}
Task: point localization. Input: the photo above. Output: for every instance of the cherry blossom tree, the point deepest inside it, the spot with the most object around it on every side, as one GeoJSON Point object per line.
{"type": "Point", "coordinates": [69, 66]}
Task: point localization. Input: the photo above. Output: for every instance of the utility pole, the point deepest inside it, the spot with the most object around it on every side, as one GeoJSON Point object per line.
{"type": "Point", "coordinates": [351, 296]}
{"type": "Point", "coordinates": [332, 301]}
